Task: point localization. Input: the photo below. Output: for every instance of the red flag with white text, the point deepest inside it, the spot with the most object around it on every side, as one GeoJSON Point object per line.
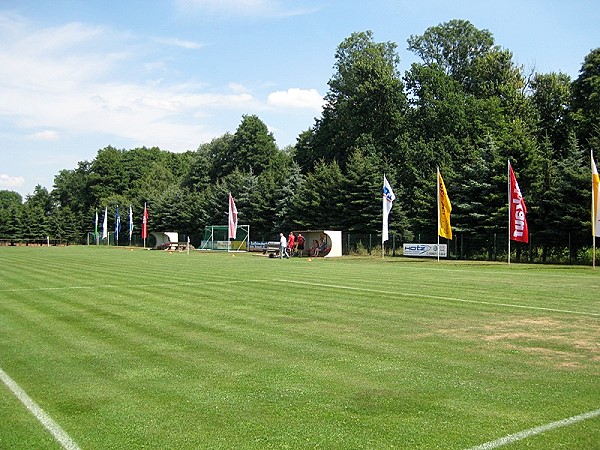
{"type": "Point", "coordinates": [233, 219]}
{"type": "Point", "coordinates": [145, 223]}
{"type": "Point", "coordinates": [518, 211]}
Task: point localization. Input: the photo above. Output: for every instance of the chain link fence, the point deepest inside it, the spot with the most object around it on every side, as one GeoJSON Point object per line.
{"type": "Point", "coordinates": [565, 248]}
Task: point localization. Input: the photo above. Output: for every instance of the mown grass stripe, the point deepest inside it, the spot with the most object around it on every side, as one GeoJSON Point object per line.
{"type": "Point", "coordinates": [437, 297]}
{"type": "Point", "coordinates": [128, 286]}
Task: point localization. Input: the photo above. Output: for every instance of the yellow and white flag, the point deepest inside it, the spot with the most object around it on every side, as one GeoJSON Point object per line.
{"type": "Point", "coordinates": [595, 198]}
{"type": "Point", "coordinates": [444, 209]}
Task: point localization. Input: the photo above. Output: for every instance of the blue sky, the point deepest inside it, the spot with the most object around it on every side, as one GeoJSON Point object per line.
{"type": "Point", "coordinates": [77, 76]}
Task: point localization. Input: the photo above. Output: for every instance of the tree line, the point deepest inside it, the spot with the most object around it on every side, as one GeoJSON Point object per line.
{"type": "Point", "coordinates": [466, 107]}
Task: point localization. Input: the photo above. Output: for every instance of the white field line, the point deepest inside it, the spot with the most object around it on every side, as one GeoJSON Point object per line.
{"type": "Point", "coordinates": [59, 434]}
{"type": "Point", "coordinates": [536, 430]}
{"type": "Point", "coordinates": [437, 297]}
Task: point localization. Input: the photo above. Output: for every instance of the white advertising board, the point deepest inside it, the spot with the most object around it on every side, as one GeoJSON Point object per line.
{"type": "Point", "coordinates": [425, 250]}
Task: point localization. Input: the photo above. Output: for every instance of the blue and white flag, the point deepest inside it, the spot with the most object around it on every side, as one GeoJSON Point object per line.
{"type": "Point", "coordinates": [388, 199]}
{"type": "Point", "coordinates": [117, 225]}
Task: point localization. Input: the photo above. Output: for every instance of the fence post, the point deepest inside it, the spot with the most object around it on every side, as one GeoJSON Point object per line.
{"type": "Point", "coordinates": [530, 246]}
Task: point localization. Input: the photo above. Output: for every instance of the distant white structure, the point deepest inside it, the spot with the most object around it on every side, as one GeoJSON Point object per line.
{"type": "Point", "coordinates": [333, 238]}
{"type": "Point", "coordinates": [164, 237]}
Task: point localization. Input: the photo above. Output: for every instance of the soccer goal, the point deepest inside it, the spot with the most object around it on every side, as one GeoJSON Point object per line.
{"type": "Point", "coordinates": [216, 238]}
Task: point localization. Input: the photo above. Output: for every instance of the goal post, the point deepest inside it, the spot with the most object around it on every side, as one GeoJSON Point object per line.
{"type": "Point", "coordinates": [216, 238]}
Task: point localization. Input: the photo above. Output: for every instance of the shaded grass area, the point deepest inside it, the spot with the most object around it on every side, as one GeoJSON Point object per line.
{"type": "Point", "coordinates": [140, 349]}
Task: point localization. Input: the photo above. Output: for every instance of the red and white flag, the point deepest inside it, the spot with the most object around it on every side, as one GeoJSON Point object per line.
{"type": "Point", "coordinates": [517, 210]}
{"type": "Point", "coordinates": [233, 218]}
{"type": "Point", "coordinates": [145, 223]}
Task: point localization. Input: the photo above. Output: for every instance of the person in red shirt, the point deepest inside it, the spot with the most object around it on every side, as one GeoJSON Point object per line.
{"type": "Point", "coordinates": [291, 243]}
{"type": "Point", "coordinates": [300, 244]}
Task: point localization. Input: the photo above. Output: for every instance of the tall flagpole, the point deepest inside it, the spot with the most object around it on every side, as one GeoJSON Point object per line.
{"type": "Point", "coordinates": [594, 212]}
{"type": "Point", "coordinates": [509, 205]}
{"type": "Point", "coordinates": [145, 225]}
{"type": "Point", "coordinates": [383, 225]}
{"type": "Point", "coordinates": [437, 183]}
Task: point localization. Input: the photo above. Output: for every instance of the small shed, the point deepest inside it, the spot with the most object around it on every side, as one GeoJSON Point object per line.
{"type": "Point", "coordinates": [333, 240]}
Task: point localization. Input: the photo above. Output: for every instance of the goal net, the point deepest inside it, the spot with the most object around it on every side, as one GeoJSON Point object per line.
{"type": "Point", "coordinates": [215, 238]}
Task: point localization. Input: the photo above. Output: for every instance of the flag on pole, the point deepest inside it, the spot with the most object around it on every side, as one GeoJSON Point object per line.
{"type": "Point", "coordinates": [595, 199]}
{"type": "Point", "coordinates": [444, 209]}
{"type": "Point", "coordinates": [388, 199]}
{"type": "Point", "coordinates": [130, 223]}
{"type": "Point", "coordinates": [117, 225]}
{"type": "Point", "coordinates": [105, 224]}
{"type": "Point", "coordinates": [145, 223]}
{"type": "Point", "coordinates": [233, 218]}
{"type": "Point", "coordinates": [96, 227]}
{"type": "Point", "coordinates": [517, 210]}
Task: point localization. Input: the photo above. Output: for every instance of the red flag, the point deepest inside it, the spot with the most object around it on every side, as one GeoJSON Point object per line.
{"type": "Point", "coordinates": [517, 210]}
{"type": "Point", "coordinates": [145, 223]}
{"type": "Point", "coordinates": [233, 220]}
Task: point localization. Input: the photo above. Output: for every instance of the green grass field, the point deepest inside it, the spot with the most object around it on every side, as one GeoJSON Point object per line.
{"type": "Point", "coordinates": [131, 349]}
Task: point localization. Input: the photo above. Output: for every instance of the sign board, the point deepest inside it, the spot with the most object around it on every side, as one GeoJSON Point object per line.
{"type": "Point", "coordinates": [425, 250]}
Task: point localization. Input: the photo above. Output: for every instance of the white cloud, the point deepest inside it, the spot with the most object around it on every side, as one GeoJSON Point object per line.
{"type": "Point", "coordinates": [11, 182]}
{"type": "Point", "coordinates": [297, 98]}
{"type": "Point", "coordinates": [190, 45]}
{"type": "Point", "coordinates": [46, 135]}
{"type": "Point", "coordinates": [53, 87]}
{"type": "Point", "coordinates": [71, 80]}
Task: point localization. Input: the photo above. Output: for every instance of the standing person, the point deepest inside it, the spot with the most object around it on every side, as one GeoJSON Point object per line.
{"type": "Point", "coordinates": [291, 242]}
{"type": "Point", "coordinates": [283, 246]}
{"type": "Point", "coordinates": [300, 246]}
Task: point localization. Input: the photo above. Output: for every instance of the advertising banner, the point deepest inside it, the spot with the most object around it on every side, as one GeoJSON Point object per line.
{"type": "Point", "coordinates": [425, 250]}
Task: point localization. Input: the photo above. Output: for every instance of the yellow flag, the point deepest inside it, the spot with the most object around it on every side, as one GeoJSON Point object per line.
{"type": "Point", "coordinates": [444, 209]}
{"type": "Point", "coordinates": [595, 198]}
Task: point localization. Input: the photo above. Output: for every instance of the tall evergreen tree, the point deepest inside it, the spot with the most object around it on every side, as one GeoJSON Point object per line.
{"type": "Point", "coordinates": [319, 203]}
{"type": "Point", "coordinates": [252, 146]}
{"type": "Point", "coordinates": [585, 104]}
{"type": "Point", "coordinates": [366, 97]}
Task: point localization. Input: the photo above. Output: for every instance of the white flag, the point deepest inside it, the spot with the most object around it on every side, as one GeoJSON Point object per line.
{"type": "Point", "coordinates": [233, 219]}
{"type": "Point", "coordinates": [388, 199]}
{"type": "Point", "coordinates": [130, 222]}
{"type": "Point", "coordinates": [105, 224]}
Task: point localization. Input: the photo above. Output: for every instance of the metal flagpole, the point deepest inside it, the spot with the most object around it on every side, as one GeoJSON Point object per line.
{"type": "Point", "coordinates": [509, 205]}
{"type": "Point", "coordinates": [437, 183]}
{"type": "Point", "coordinates": [382, 223]}
{"type": "Point", "coordinates": [594, 203]}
